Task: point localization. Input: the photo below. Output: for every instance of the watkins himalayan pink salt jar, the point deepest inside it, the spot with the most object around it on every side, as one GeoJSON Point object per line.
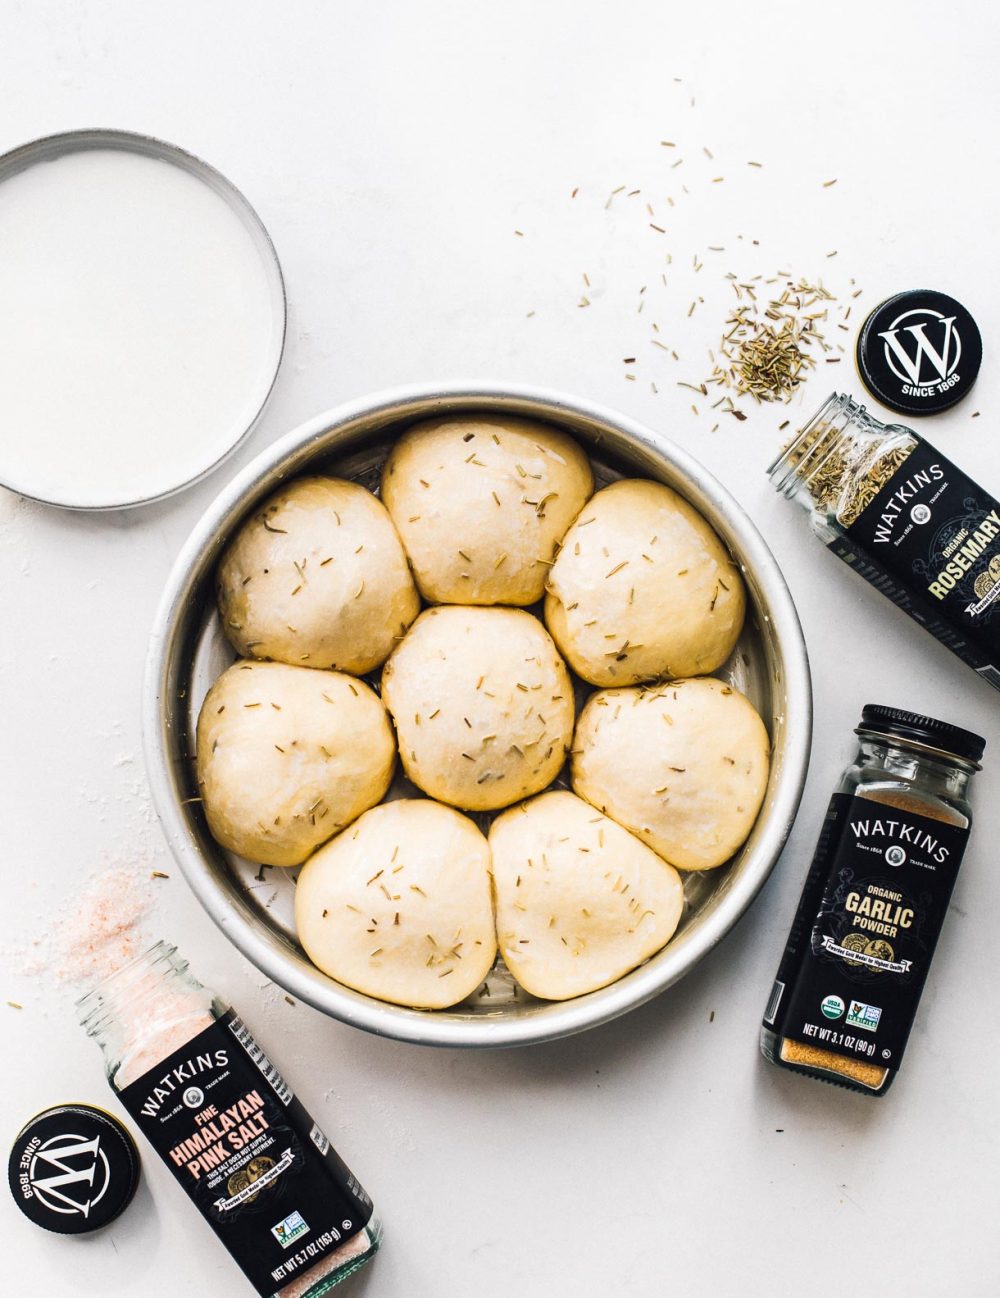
{"type": "Point", "coordinates": [223, 1119]}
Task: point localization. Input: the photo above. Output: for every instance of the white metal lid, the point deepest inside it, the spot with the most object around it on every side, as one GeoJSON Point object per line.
{"type": "Point", "coordinates": [142, 319]}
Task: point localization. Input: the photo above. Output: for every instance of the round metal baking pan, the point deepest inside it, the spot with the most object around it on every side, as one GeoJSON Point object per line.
{"type": "Point", "coordinates": [53, 147]}
{"type": "Point", "coordinates": [253, 906]}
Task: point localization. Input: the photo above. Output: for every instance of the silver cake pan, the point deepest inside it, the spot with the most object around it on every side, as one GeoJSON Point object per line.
{"type": "Point", "coordinates": [253, 906]}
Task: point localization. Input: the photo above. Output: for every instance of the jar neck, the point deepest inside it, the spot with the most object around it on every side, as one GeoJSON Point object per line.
{"type": "Point", "coordinates": [837, 448]}
{"type": "Point", "coordinates": [817, 441]}
{"type": "Point", "coordinates": [940, 775]}
{"type": "Point", "coordinates": [150, 1000]}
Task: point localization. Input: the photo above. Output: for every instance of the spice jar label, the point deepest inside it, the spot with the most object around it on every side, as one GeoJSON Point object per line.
{"type": "Point", "coordinates": [248, 1154]}
{"type": "Point", "coordinates": [930, 540]}
{"type": "Point", "coordinates": [865, 930]}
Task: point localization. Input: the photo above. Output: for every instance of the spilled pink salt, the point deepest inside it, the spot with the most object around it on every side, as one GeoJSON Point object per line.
{"type": "Point", "coordinates": [93, 934]}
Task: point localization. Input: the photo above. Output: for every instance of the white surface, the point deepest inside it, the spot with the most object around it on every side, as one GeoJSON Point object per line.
{"type": "Point", "coordinates": [392, 156]}
{"type": "Point", "coordinates": [139, 329]}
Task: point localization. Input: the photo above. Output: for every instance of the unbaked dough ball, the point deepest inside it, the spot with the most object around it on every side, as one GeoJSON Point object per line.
{"type": "Point", "coordinates": [580, 901]}
{"type": "Point", "coordinates": [483, 705]}
{"type": "Point", "coordinates": [684, 766]}
{"type": "Point", "coordinates": [643, 588]}
{"type": "Point", "coordinates": [481, 502]}
{"type": "Point", "coordinates": [287, 757]}
{"type": "Point", "coordinates": [318, 578]}
{"type": "Point", "coordinates": [399, 905]}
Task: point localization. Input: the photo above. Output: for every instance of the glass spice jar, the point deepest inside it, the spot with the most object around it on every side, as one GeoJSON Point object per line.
{"type": "Point", "coordinates": [888, 503]}
{"type": "Point", "coordinates": [225, 1122]}
{"type": "Point", "coordinates": [857, 956]}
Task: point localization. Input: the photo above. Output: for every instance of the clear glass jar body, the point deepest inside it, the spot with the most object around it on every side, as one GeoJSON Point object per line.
{"type": "Point", "coordinates": [895, 773]}
{"type": "Point", "coordinates": [152, 1007]}
{"type": "Point", "coordinates": [146, 1010]}
{"type": "Point", "coordinates": [838, 463]}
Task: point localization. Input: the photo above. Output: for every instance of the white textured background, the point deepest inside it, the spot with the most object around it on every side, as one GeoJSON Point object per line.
{"type": "Point", "coordinates": [393, 150]}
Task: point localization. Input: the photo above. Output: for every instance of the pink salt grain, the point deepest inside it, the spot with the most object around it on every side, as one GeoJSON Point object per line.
{"type": "Point", "coordinates": [354, 1247]}
{"type": "Point", "coordinates": [148, 1044]}
{"type": "Point", "coordinates": [103, 934]}
{"type": "Point", "coordinates": [95, 933]}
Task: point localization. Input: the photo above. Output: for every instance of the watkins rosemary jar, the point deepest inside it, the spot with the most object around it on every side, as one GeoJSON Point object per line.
{"type": "Point", "coordinates": [905, 518]}
{"type": "Point", "coordinates": [874, 900]}
{"type": "Point", "coordinates": [223, 1119]}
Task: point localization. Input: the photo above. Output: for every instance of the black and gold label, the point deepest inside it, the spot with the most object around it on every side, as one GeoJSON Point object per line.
{"type": "Point", "coordinates": [930, 541]}
{"type": "Point", "coordinates": [245, 1150]}
{"type": "Point", "coordinates": [865, 930]}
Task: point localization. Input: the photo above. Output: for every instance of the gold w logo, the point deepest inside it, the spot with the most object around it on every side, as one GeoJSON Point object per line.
{"type": "Point", "coordinates": [912, 360]}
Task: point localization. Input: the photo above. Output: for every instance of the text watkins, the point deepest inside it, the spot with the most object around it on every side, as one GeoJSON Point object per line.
{"type": "Point", "coordinates": [184, 1072]}
{"type": "Point", "coordinates": [902, 832]}
{"type": "Point", "coordinates": [902, 496]}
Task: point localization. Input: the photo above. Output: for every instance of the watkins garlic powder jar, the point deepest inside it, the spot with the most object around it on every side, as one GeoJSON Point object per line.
{"type": "Point", "coordinates": [223, 1119]}
{"type": "Point", "coordinates": [874, 900]}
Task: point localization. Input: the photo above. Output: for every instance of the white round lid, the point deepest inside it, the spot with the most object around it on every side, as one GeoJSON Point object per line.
{"type": "Point", "coordinates": [142, 319]}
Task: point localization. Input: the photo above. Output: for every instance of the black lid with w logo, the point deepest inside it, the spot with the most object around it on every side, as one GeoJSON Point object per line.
{"type": "Point", "coordinates": [919, 352]}
{"type": "Point", "coordinates": [73, 1169]}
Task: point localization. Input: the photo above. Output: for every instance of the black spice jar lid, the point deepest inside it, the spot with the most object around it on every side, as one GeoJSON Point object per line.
{"type": "Point", "coordinates": [919, 352]}
{"type": "Point", "coordinates": [73, 1169]}
{"type": "Point", "coordinates": [922, 730]}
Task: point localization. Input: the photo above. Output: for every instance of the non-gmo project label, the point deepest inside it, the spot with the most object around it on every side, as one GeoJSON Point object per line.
{"type": "Point", "coordinates": [864, 1016]}
{"type": "Point", "coordinates": [289, 1230]}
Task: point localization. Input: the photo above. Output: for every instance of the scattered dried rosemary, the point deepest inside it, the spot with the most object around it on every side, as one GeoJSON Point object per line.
{"type": "Point", "coordinates": [766, 355]}
{"type": "Point", "coordinates": [768, 347]}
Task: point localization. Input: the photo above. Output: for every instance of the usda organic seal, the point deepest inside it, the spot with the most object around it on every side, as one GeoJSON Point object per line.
{"type": "Point", "coordinates": [832, 1007]}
